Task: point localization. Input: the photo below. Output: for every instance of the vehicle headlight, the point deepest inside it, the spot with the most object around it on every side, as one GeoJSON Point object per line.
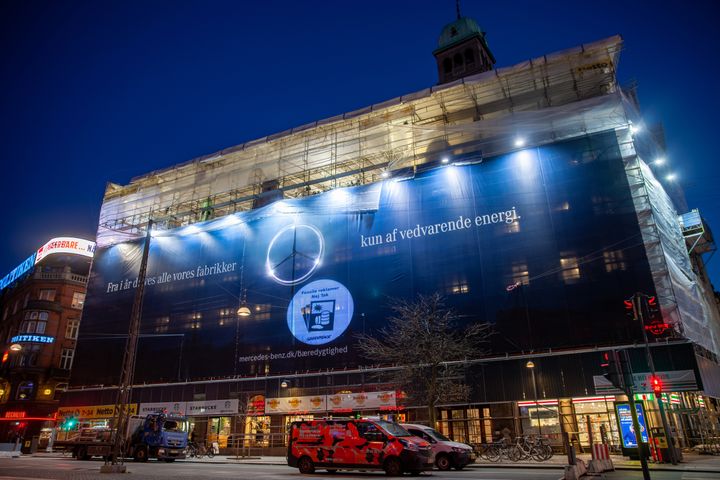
{"type": "Point", "coordinates": [459, 449]}
{"type": "Point", "coordinates": [409, 445]}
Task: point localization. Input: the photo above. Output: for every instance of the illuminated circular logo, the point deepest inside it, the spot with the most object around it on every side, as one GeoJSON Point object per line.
{"type": "Point", "coordinates": [294, 254]}
{"type": "Point", "coordinates": [320, 312]}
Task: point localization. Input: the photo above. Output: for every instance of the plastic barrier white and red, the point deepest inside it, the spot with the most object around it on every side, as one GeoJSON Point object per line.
{"type": "Point", "coordinates": [601, 461]}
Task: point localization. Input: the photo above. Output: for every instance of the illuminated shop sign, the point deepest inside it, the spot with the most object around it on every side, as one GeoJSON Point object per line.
{"type": "Point", "coordinates": [71, 245]}
{"type": "Point", "coordinates": [32, 339]}
{"type": "Point", "coordinates": [14, 414]}
{"type": "Point", "coordinates": [75, 246]}
{"type": "Point", "coordinates": [17, 271]}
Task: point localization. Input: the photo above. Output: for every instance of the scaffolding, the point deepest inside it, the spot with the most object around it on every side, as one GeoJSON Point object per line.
{"type": "Point", "coordinates": [560, 95]}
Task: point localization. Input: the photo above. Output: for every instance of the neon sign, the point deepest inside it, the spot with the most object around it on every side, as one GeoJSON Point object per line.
{"type": "Point", "coordinates": [657, 328]}
{"type": "Point", "coordinates": [32, 339]}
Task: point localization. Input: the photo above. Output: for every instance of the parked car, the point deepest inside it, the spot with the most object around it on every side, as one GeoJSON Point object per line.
{"type": "Point", "coordinates": [448, 454]}
{"type": "Point", "coordinates": [356, 444]}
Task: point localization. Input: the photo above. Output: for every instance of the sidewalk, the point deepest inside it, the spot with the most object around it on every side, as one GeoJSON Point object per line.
{"type": "Point", "coordinates": [691, 462]}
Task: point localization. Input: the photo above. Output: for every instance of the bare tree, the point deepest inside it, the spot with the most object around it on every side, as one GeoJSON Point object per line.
{"type": "Point", "coordinates": [421, 338]}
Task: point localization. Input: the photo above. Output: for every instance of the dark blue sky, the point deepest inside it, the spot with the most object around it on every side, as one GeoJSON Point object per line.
{"type": "Point", "coordinates": [92, 92]}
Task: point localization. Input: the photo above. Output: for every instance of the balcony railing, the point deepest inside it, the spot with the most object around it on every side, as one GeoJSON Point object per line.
{"type": "Point", "coordinates": [66, 276]}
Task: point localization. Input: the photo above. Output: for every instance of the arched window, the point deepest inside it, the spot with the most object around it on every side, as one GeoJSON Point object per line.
{"type": "Point", "coordinates": [469, 56]}
{"type": "Point", "coordinates": [447, 65]}
{"type": "Point", "coordinates": [458, 60]}
{"type": "Point", "coordinates": [25, 390]}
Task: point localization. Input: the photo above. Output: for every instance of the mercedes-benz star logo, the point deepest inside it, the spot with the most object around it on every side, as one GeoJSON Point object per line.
{"type": "Point", "coordinates": [294, 254]}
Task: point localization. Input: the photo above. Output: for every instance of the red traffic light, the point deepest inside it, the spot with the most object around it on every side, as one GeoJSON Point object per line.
{"type": "Point", "coordinates": [656, 384]}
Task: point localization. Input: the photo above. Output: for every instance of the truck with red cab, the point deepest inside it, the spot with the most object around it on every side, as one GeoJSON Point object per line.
{"type": "Point", "coordinates": [356, 444]}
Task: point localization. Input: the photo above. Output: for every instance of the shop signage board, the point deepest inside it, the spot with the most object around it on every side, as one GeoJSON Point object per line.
{"type": "Point", "coordinates": [673, 381]}
{"type": "Point", "coordinates": [310, 403]}
{"type": "Point", "coordinates": [203, 408]}
{"type": "Point", "coordinates": [341, 402]}
{"type": "Point", "coordinates": [212, 408]}
{"type": "Point", "coordinates": [71, 245]}
{"type": "Point", "coordinates": [93, 411]}
{"type": "Point", "coordinates": [167, 407]}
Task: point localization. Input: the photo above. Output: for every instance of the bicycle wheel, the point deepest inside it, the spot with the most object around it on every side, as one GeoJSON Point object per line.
{"type": "Point", "coordinates": [210, 451]}
{"type": "Point", "coordinates": [512, 453]}
{"type": "Point", "coordinates": [492, 453]}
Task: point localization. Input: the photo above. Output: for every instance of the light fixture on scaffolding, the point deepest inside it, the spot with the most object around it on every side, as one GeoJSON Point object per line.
{"type": "Point", "coordinates": [244, 310]}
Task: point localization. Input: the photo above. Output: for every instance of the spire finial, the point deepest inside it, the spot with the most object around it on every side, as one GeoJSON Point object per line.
{"type": "Point", "coordinates": [457, 8]}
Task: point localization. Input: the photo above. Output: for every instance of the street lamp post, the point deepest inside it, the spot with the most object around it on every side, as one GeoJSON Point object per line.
{"type": "Point", "coordinates": [531, 366]}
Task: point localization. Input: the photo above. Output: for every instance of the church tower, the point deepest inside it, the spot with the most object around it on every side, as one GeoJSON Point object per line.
{"type": "Point", "coordinates": [462, 50]}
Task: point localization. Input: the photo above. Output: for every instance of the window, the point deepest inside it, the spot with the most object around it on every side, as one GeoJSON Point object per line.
{"type": "Point", "coordinates": [71, 330]}
{"type": "Point", "coordinates": [469, 56]}
{"type": "Point", "coordinates": [520, 274]}
{"type": "Point", "coordinates": [27, 299]}
{"type": "Point", "coordinates": [35, 322]}
{"type": "Point", "coordinates": [32, 354]}
{"type": "Point", "coordinates": [614, 260]}
{"type": "Point", "coordinates": [570, 269]}
{"type": "Point", "coordinates": [25, 390]}
{"type": "Point", "coordinates": [78, 300]}
{"type": "Point", "coordinates": [47, 294]}
{"type": "Point", "coordinates": [458, 60]}
{"type": "Point", "coordinates": [447, 65]}
{"type": "Point", "coordinates": [66, 358]}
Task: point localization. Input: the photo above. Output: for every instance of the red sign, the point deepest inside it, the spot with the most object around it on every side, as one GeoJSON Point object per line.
{"type": "Point", "coordinates": [14, 414]}
{"type": "Point", "coordinates": [657, 328]}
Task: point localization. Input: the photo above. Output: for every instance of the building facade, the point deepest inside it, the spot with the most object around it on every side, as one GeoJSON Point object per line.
{"type": "Point", "coordinates": [42, 303]}
{"type": "Point", "coordinates": [526, 196]}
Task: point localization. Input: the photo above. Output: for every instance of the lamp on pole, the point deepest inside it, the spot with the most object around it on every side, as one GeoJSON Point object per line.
{"type": "Point", "coordinates": [530, 365]}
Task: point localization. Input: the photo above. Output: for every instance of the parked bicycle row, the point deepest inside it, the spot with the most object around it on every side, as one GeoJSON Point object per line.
{"type": "Point", "coordinates": [522, 448]}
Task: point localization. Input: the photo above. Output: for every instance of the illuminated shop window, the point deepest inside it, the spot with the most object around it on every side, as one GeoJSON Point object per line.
{"type": "Point", "coordinates": [570, 269]}
{"type": "Point", "coordinates": [66, 358]}
{"type": "Point", "coordinates": [78, 300]}
{"type": "Point", "coordinates": [72, 328]}
{"type": "Point", "coordinates": [614, 260]}
{"type": "Point", "coordinates": [47, 294]}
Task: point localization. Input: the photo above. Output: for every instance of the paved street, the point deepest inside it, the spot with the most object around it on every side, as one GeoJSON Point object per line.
{"type": "Point", "coordinates": [26, 468]}
{"type": "Point", "coordinates": [51, 468]}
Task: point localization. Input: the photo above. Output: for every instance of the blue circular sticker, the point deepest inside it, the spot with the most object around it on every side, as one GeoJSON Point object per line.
{"type": "Point", "coordinates": [320, 312]}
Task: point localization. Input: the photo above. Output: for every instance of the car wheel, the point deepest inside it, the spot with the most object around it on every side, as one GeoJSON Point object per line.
{"type": "Point", "coordinates": [392, 467]}
{"type": "Point", "coordinates": [442, 462]}
{"type": "Point", "coordinates": [305, 465]}
{"type": "Point", "coordinates": [140, 455]}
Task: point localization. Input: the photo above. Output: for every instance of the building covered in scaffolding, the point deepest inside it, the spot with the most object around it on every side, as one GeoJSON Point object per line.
{"type": "Point", "coordinates": [526, 195]}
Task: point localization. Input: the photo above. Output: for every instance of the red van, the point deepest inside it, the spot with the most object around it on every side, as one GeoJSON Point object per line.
{"type": "Point", "coordinates": [356, 444]}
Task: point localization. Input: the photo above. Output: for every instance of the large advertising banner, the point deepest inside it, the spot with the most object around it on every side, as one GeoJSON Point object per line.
{"type": "Point", "coordinates": [316, 271]}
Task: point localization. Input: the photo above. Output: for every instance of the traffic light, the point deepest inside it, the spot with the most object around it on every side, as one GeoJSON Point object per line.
{"type": "Point", "coordinates": [656, 384]}
{"type": "Point", "coordinates": [653, 310]}
{"type": "Point", "coordinates": [611, 368]}
{"type": "Point", "coordinates": [631, 310]}
{"type": "Point", "coordinates": [69, 423]}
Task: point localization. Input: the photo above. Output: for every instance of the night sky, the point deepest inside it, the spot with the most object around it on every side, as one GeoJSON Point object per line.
{"type": "Point", "coordinates": [92, 92]}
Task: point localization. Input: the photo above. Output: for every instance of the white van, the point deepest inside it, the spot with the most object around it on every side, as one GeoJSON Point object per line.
{"type": "Point", "coordinates": [448, 454]}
